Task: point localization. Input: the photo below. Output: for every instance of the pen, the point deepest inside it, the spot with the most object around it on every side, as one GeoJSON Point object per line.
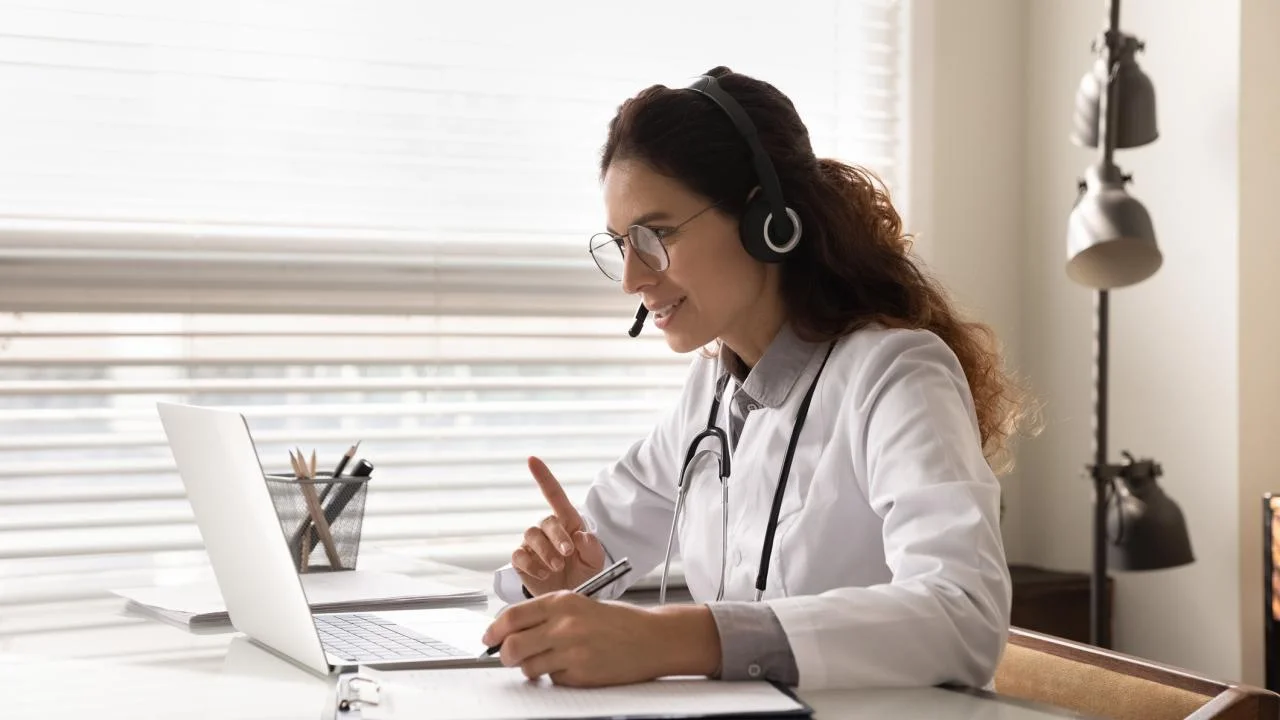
{"type": "Point", "coordinates": [593, 585]}
{"type": "Point", "coordinates": [337, 471]}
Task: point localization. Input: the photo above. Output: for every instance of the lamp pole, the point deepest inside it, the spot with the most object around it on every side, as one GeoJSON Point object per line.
{"type": "Point", "coordinates": [1099, 615]}
{"type": "Point", "coordinates": [1101, 472]}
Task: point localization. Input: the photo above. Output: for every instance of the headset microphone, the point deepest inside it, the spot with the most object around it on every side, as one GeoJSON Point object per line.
{"type": "Point", "coordinates": [641, 314]}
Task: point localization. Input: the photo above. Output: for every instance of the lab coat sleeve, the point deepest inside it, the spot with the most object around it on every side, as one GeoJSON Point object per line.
{"type": "Point", "coordinates": [944, 616]}
{"type": "Point", "coordinates": [630, 503]}
{"type": "Point", "coordinates": [753, 645]}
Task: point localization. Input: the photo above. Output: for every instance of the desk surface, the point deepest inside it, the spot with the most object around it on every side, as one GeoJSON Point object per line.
{"type": "Point", "coordinates": [91, 658]}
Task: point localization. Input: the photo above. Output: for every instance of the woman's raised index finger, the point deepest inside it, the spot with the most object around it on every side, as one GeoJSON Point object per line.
{"type": "Point", "coordinates": [555, 496]}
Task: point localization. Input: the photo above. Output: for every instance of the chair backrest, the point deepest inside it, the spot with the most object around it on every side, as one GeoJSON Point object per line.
{"type": "Point", "coordinates": [1106, 684]}
{"type": "Point", "coordinates": [1271, 588]}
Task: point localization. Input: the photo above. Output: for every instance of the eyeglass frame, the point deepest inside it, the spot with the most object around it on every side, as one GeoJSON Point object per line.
{"type": "Point", "coordinates": [660, 234]}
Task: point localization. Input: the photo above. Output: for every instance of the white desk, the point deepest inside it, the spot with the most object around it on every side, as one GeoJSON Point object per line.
{"type": "Point", "coordinates": [89, 659]}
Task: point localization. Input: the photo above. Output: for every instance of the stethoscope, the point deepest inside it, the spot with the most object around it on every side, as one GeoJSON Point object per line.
{"type": "Point", "coordinates": [714, 431]}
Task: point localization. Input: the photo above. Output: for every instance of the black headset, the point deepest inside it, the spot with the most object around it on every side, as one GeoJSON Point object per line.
{"type": "Point", "coordinates": [769, 229]}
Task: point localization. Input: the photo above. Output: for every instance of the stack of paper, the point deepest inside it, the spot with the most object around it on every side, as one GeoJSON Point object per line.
{"type": "Point", "coordinates": [200, 604]}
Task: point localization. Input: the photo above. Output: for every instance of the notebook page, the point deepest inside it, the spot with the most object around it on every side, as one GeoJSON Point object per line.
{"type": "Point", "coordinates": [505, 694]}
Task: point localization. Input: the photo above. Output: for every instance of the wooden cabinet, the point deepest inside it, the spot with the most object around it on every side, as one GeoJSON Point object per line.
{"type": "Point", "coordinates": [1052, 601]}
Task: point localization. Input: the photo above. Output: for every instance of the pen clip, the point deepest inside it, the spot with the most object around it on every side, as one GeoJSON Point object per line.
{"type": "Point", "coordinates": [604, 578]}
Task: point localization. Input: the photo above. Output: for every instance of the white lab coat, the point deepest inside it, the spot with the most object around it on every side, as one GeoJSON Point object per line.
{"type": "Point", "coordinates": [888, 567]}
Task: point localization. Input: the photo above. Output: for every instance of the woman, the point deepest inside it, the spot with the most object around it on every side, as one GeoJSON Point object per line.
{"type": "Point", "coordinates": [886, 565]}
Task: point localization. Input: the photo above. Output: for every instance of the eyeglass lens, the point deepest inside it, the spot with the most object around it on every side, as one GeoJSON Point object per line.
{"type": "Point", "coordinates": [608, 252]}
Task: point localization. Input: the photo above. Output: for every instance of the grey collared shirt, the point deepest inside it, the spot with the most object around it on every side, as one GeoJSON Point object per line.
{"type": "Point", "coordinates": [770, 382]}
{"type": "Point", "coordinates": [753, 645]}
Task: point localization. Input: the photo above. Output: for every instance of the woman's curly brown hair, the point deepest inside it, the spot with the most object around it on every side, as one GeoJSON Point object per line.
{"type": "Point", "coordinates": [854, 266]}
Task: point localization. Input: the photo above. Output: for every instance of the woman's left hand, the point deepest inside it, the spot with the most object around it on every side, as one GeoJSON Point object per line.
{"type": "Point", "coordinates": [576, 640]}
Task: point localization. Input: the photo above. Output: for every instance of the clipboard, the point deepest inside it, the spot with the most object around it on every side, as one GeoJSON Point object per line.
{"type": "Point", "coordinates": [352, 693]}
{"type": "Point", "coordinates": [372, 695]}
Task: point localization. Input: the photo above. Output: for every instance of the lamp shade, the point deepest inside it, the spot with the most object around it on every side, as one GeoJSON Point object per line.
{"type": "Point", "coordinates": [1147, 529]}
{"type": "Point", "coordinates": [1135, 94]}
{"type": "Point", "coordinates": [1110, 240]}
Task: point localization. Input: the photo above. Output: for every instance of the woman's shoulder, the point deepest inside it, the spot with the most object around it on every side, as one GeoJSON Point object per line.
{"type": "Point", "coordinates": [873, 355]}
{"type": "Point", "coordinates": [877, 343]}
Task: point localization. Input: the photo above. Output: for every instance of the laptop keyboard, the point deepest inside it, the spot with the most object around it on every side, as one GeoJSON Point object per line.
{"type": "Point", "coordinates": [357, 637]}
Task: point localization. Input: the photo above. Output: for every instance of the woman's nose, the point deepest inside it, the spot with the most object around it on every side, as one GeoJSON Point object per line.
{"type": "Point", "coordinates": [636, 275]}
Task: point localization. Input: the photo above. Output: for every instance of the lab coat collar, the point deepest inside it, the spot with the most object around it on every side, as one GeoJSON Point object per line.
{"type": "Point", "coordinates": [771, 380]}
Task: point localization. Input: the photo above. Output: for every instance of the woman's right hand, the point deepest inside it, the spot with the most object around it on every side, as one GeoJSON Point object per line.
{"type": "Point", "coordinates": [558, 553]}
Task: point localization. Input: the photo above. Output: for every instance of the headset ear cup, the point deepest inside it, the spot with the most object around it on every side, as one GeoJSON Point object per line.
{"type": "Point", "coordinates": [751, 230]}
{"type": "Point", "coordinates": [756, 226]}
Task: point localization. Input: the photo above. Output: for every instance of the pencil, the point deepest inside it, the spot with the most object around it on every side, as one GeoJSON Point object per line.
{"type": "Point", "coordinates": [304, 547]}
{"type": "Point", "coordinates": [317, 515]}
{"type": "Point", "coordinates": [342, 462]}
{"type": "Point", "coordinates": [337, 473]}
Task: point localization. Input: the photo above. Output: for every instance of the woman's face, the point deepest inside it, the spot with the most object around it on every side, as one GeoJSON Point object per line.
{"type": "Point", "coordinates": [712, 287]}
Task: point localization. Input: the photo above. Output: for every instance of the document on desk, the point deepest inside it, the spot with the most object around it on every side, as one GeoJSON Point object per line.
{"type": "Point", "coordinates": [200, 603]}
{"type": "Point", "coordinates": [505, 694]}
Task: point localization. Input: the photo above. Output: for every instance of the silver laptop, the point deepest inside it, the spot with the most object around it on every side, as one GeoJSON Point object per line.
{"type": "Point", "coordinates": [248, 551]}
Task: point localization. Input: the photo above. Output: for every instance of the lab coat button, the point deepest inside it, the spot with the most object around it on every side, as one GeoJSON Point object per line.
{"type": "Point", "coordinates": [737, 556]}
{"type": "Point", "coordinates": [753, 670]}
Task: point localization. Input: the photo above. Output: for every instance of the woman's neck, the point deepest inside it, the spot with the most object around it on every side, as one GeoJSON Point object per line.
{"type": "Point", "coordinates": [755, 334]}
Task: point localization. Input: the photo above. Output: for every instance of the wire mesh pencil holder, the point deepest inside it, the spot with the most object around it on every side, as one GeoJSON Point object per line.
{"type": "Point", "coordinates": [334, 542]}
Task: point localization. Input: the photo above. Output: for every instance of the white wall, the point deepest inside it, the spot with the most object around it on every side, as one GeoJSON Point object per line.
{"type": "Point", "coordinates": [1175, 340]}
{"type": "Point", "coordinates": [1259, 300]}
{"type": "Point", "coordinates": [993, 182]}
{"type": "Point", "coordinates": [965, 166]}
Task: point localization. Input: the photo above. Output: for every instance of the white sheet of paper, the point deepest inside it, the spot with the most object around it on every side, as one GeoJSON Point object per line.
{"type": "Point", "coordinates": [505, 694]}
{"type": "Point", "coordinates": [360, 585]}
{"type": "Point", "coordinates": [355, 586]}
{"type": "Point", "coordinates": [195, 598]}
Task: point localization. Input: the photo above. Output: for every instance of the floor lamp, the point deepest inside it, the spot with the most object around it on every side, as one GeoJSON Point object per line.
{"type": "Point", "coordinates": [1111, 243]}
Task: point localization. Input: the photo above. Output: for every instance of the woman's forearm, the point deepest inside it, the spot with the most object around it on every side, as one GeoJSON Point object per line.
{"type": "Point", "coordinates": [686, 640]}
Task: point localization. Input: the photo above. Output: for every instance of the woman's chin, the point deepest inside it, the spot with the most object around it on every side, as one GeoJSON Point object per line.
{"type": "Point", "coordinates": [683, 342]}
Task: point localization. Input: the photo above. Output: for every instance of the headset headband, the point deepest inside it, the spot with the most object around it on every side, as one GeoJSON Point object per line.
{"type": "Point", "coordinates": [769, 183]}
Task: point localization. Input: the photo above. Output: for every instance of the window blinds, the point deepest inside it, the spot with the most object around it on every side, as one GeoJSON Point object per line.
{"type": "Point", "coordinates": [352, 221]}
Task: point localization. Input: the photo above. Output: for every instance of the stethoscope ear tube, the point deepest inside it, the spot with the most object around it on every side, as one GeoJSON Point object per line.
{"type": "Point", "coordinates": [671, 537]}
{"type": "Point", "coordinates": [775, 509]}
{"type": "Point", "coordinates": [717, 433]}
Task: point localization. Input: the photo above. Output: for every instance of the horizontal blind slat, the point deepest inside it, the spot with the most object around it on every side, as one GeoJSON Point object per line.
{"type": "Point", "coordinates": [97, 517]}
{"type": "Point", "coordinates": [169, 491]}
{"type": "Point", "coordinates": [336, 384]}
{"type": "Point", "coordinates": [489, 433]}
{"type": "Point", "coordinates": [31, 418]}
{"type": "Point", "coordinates": [148, 466]}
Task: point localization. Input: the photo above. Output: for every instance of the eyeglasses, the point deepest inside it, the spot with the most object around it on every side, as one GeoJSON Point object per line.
{"type": "Point", "coordinates": [649, 244]}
